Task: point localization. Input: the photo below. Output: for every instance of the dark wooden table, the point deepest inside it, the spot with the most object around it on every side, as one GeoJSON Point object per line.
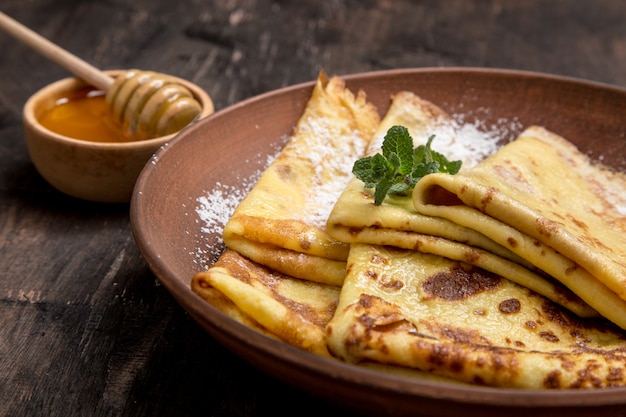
{"type": "Point", "coordinates": [85, 328]}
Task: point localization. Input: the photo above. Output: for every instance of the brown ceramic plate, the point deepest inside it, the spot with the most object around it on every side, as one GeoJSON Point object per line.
{"type": "Point", "coordinates": [229, 147]}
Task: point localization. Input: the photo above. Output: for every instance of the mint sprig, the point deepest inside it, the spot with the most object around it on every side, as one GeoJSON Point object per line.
{"type": "Point", "coordinates": [400, 166]}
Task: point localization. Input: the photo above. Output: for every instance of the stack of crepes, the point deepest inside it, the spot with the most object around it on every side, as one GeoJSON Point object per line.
{"type": "Point", "coordinates": [510, 273]}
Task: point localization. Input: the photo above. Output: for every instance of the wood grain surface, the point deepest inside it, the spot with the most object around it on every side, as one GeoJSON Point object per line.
{"type": "Point", "coordinates": [85, 328]}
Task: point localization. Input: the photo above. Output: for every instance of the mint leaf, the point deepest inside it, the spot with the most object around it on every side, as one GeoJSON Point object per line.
{"type": "Point", "coordinates": [398, 142]}
{"type": "Point", "coordinates": [371, 170]}
{"type": "Point", "coordinates": [400, 167]}
{"type": "Point", "coordinates": [382, 188]}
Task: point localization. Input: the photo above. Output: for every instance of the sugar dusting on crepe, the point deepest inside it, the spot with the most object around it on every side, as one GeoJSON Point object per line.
{"type": "Point", "coordinates": [473, 142]}
{"type": "Point", "coordinates": [332, 167]}
{"type": "Point", "coordinates": [469, 142]}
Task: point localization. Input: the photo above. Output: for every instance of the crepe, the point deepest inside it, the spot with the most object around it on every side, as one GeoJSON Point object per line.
{"type": "Point", "coordinates": [545, 201]}
{"type": "Point", "coordinates": [282, 221]}
{"type": "Point", "coordinates": [449, 318]}
{"type": "Point", "coordinates": [355, 218]}
{"type": "Point", "coordinates": [289, 309]}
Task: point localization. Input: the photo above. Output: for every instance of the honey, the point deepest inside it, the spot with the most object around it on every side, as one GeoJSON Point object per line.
{"type": "Point", "coordinates": [83, 114]}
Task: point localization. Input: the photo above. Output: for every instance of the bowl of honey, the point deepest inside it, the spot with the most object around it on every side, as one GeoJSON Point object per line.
{"type": "Point", "coordinates": [76, 145]}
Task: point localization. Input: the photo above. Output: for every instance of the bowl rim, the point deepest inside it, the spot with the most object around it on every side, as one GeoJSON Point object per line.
{"type": "Point", "coordinates": [410, 389]}
{"type": "Point", "coordinates": [68, 83]}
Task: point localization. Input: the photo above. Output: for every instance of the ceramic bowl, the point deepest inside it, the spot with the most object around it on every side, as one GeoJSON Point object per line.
{"type": "Point", "coordinates": [95, 171]}
{"type": "Point", "coordinates": [227, 150]}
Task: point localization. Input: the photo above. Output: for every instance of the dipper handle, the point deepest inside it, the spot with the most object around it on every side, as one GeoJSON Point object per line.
{"type": "Point", "coordinates": [53, 52]}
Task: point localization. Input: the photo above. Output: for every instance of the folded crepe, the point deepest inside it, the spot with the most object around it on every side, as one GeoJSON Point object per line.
{"type": "Point", "coordinates": [407, 308]}
{"type": "Point", "coordinates": [282, 221]}
{"type": "Point", "coordinates": [292, 310]}
{"type": "Point", "coordinates": [281, 272]}
{"type": "Point", "coordinates": [355, 218]}
{"type": "Point", "coordinates": [544, 200]}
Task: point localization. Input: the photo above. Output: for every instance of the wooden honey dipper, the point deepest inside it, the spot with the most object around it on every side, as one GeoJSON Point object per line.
{"type": "Point", "coordinates": [146, 104]}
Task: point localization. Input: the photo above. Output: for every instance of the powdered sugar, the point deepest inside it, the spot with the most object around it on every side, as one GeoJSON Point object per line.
{"type": "Point", "coordinates": [459, 139]}
{"type": "Point", "coordinates": [331, 165]}
{"type": "Point", "coordinates": [471, 142]}
{"type": "Point", "coordinates": [213, 211]}
{"type": "Point", "coordinates": [216, 207]}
